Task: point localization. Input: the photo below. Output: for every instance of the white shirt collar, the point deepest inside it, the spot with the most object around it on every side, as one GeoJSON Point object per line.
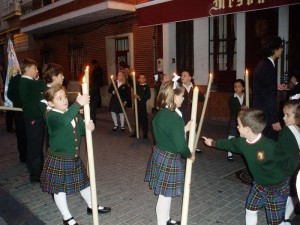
{"type": "Point", "coordinates": [28, 77]}
{"type": "Point", "coordinates": [255, 140]}
{"type": "Point", "coordinates": [188, 88]}
{"type": "Point", "coordinates": [178, 112]}
{"type": "Point", "coordinates": [240, 98]}
{"type": "Point", "coordinates": [270, 58]}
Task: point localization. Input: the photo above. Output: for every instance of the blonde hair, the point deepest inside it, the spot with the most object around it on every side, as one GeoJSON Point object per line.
{"type": "Point", "coordinates": [165, 97]}
{"type": "Point", "coordinates": [253, 118]}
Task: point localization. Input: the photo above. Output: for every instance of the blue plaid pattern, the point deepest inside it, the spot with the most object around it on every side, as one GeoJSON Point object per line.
{"type": "Point", "coordinates": [64, 175]}
{"type": "Point", "coordinates": [165, 174]}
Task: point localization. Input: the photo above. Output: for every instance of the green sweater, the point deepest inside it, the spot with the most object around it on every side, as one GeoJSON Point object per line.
{"type": "Point", "coordinates": [30, 93]}
{"type": "Point", "coordinates": [261, 158]}
{"type": "Point", "coordinates": [288, 151]}
{"type": "Point", "coordinates": [13, 91]}
{"type": "Point", "coordinates": [168, 128]}
{"type": "Point", "coordinates": [62, 141]}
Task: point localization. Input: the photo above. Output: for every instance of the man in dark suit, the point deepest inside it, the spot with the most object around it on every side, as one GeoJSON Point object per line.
{"type": "Point", "coordinates": [265, 85]}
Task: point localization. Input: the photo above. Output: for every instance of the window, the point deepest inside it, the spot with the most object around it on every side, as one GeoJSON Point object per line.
{"type": "Point", "coordinates": [222, 51]}
{"type": "Point", "coordinates": [76, 60]}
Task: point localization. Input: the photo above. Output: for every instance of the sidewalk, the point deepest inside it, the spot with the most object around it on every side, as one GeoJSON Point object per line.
{"type": "Point", "coordinates": [120, 164]}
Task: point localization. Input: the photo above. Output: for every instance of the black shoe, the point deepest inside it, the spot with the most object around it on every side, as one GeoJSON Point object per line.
{"type": "Point", "coordinates": [122, 128]}
{"type": "Point", "coordinates": [104, 210]}
{"type": "Point", "coordinates": [172, 222]}
{"type": "Point", "coordinates": [230, 158]}
{"type": "Point", "coordinates": [132, 135]}
{"type": "Point", "coordinates": [66, 222]}
{"type": "Point", "coordinates": [198, 150]}
{"type": "Point", "coordinates": [35, 180]}
{"type": "Point", "coordinates": [115, 128]}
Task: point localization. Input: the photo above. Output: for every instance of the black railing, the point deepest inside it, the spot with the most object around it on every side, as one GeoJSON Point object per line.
{"type": "Point", "coordinates": [35, 4]}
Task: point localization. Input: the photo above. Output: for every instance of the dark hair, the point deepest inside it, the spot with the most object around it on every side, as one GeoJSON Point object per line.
{"type": "Point", "coordinates": [269, 44]}
{"type": "Point", "coordinates": [295, 103]}
{"type": "Point", "coordinates": [50, 70]}
{"type": "Point", "coordinates": [27, 63]}
{"type": "Point", "coordinates": [242, 82]}
{"type": "Point", "coordinates": [165, 97]}
{"type": "Point", "coordinates": [94, 61]}
{"type": "Point", "coordinates": [253, 118]}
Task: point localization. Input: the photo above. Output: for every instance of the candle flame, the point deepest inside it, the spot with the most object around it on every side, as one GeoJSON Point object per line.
{"type": "Point", "coordinates": [87, 68]}
{"type": "Point", "coordinates": [210, 75]}
{"type": "Point", "coordinates": [112, 76]}
{"type": "Point", "coordinates": [174, 74]}
{"type": "Point", "coordinates": [196, 88]}
{"type": "Point", "coordinates": [83, 79]}
{"type": "Point", "coordinates": [246, 72]}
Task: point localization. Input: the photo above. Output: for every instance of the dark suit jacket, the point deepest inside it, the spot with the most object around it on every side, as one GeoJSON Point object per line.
{"type": "Point", "coordinates": [265, 90]}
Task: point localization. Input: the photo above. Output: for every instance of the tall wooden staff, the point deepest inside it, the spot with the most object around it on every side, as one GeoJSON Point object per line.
{"type": "Point", "coordinates": [89, 144]}
{"type": "Point", "coordinates": [137, 131]}
{"type": "Point", "coordinates": [188, 170]}
{"type": "Point", "coordinates": [247, 88]}
{"type": "Point", "coordinates": [203, 110]}
{"type": "Point", "coordinates": [121, 103]}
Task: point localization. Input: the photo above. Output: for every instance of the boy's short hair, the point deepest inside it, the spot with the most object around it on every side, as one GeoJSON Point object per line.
{"type": "Point", "coordinates": [50, 70]}
{"type": "Point", "coordinates": [27, 63]}
{"type": "Point", "coordinates": [253, 118]}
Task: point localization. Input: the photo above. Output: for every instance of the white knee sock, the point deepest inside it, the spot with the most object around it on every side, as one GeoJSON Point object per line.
{"type": "Point", "coordinates": [289, 208]}
{"type": "Point", "coordinates": [114, 117]}
{"type": "Point", "coordinates": [163, 209]}
{"type": "Point", "coordinates": [86, 195]}
{"type": "Point", "coordinates": [61, 203]}
{"type": "Point", "coordinates": [122, 119]}
{"type": "Point", "coordinates": [251, 217]}
{"type": "Point", "coordinates": [298, 185]}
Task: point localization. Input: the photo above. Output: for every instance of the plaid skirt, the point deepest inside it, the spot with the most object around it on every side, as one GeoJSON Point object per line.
{"type": "Point", "coordinates": [165, 174]}
{"type": "Point", "coordinates": [63, 175]}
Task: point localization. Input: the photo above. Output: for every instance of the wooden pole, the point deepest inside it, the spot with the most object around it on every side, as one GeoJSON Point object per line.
{"type": "Point", "coordinates": [7, 108]}
{"type": "Point", "coordinates": [247, 88]}
{"type": "Point", "coordinates": [203, 110]}
{"type": "Point", "coordinates": [137, 131]}
{"type": "Point", "coordinates": [90, 152]}
{"type": "Point", "coordinates": [121, 103]}
{"type": "Point", "coordinates": [188, 170]}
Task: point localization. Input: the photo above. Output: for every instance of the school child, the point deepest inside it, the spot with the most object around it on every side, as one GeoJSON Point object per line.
{"type": "Point", "coordinates": [14, 95]}
{"type": "Point", "coordinates": [142, 95]}
{"type": "Point", "coordinates": [52, 75]}
{"type": "Point", "coordinates": [114, 104]}
{"type": "Point", "coordinates": [270, 187]}
{"type": "Point", "coordinates": [30, 89]}
{"type": "Point", "coordinates": [64, 172]}
{"type": "Point", "coordinates": [164, 171]}
{"type": "Point", "coordinates": [186, 107]}
{"type": "Point", "coordinates": [289, 146]}
{"type": "Point", "coordinates": [236, 102]}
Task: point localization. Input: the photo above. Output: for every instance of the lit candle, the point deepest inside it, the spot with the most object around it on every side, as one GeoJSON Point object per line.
{"type": "Point", "coordinates": [188, 170]}
{"type": "Point", "coordinates": [203, 110]}
{"type": "Point", "coordinates": [247, 88]}
{"type": "Point", "coordinates": [87, 77]}
{"type": "Point", "coordinates": [90, 153]}
{"type": "Point", "coordinates": [135, 107]}
{"type": "Point", "coordinates": [120, 101]}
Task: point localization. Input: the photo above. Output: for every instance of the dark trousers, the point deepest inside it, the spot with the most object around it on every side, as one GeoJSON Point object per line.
{"type": "Point", "coordinates": [21, 136]}
{"type": "Point", "coordinates": [93, 105]}
{"type": "Point", "coordinates": [35, 132]}
{"type": "Point", "coordinates": [9, 118]}
{"type": "Point", "coordinates": [143, 118]}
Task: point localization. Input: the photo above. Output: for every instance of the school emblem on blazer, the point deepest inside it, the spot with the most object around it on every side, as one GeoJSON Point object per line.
{"type": "Point", "coordinates": [260, 155]}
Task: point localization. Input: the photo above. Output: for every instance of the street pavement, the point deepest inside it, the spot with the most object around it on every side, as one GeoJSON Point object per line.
{"type": "Point", "coordinates": [120, 164]}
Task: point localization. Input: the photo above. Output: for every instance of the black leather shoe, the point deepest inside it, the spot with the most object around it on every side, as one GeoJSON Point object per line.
{"type": "Point", "coordinates": [173, 222]}
{"type": "Point", "coordinates": [230, 158]}
{"type": "Point", "coordinates": [66, 222]}
{"type": "Point", "coordinates": [104, 210]}
{"type": "Point", "coordinates": [115, 128]}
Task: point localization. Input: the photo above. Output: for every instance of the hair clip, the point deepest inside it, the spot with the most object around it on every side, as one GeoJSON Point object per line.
{"type": "Point", "coordinates": [175, 80]}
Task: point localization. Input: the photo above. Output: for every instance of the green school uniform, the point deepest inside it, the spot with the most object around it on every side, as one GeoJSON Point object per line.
{"type": "Point", "coordinates": [260, 156]}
